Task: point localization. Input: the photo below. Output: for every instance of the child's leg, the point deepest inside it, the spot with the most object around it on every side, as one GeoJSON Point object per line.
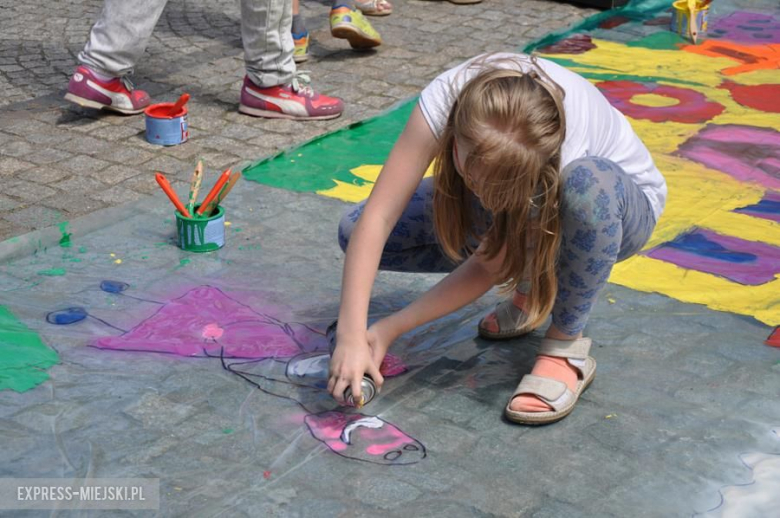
{"type": "Point", "coordinates": [412, 245]}
{"type": "Point", "coordinates": [605, 218]}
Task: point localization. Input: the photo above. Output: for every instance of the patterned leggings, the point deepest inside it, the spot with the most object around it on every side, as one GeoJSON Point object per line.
{"type": "Point", "coordinates": [605, 218]}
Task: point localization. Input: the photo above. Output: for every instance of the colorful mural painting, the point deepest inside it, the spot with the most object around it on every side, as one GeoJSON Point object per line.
{"type": "Point", "coordinates": [709, 115]}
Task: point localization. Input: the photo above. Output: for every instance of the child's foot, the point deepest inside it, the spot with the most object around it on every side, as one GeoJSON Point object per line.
{"type": "Point", "coordinates": [562, 372]}
{"type": "Point", "coordinates": [117, 94]}
{"type": "Point", "coordinates": [293, 101]}
{"type": "Point", "coordinates": [546, 367]}
{"type": "Point", "coordinates": [374, 7]}
{"type": "Point", "coordinates": [352, 26]}
{"type": "Point", "coordinates": [301, 52]}
{"type": "Point", "coordinates": [507, 321]}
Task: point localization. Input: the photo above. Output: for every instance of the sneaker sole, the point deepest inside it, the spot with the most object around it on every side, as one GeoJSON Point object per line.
{"type": "Point", "coordinates": [301, 59]}
{"type": "Point", "coordinates": [254, 112]}
{"type": "Point", "coordinates": [357, 39]}
{"type": "Point", "coordinates": [86, 103]}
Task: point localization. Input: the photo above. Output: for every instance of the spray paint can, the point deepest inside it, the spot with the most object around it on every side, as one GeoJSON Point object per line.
{"type": "Point", "coordinates": [367, 386]}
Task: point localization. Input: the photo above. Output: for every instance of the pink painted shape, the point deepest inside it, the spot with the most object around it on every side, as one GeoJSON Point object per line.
{"type": "Point", "coordinates": [369, 444]}
{"type": "Point", "coordinates": [747, 153]}
{"type": "Point", "coordinates": [392, 366]}
{"type": "Point", "coordinates": [179, 327]}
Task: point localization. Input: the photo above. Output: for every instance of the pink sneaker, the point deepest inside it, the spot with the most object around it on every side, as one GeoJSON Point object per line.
{"type": "Point", "coordinates": [117, 94]}
{"type": "Point", "coordinates": [294, 101]}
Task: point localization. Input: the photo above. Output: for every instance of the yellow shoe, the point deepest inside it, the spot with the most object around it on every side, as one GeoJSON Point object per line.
{"type": "Point", "coordinates": [301, 52]}
{"type": "Point", "coordinates": [352, 26]}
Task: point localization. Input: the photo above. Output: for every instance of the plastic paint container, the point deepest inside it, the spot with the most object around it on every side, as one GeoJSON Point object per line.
{"type": "Point", "coordinates": [201, 235]}
{"type": "Point", "coordinates": [165, 129]}
{"type": "Point", "coordinates": [681, 14]}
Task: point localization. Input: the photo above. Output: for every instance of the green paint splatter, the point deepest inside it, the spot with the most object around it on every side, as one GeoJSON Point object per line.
{"type": "Point", "coordinates": [331, 156]}
{"type": "Point", "coordinates": [65, 239]}
{"type": "Point", "coordinates": [227, 430]}
{"type": "Point", "coordinates": [75, 260]}
{"type": "Point", "coordinates": [144, 257]}
{"type": "Point", "coordinates": [238, 230]}
{"type": "Point", "coordinates": [23, 356]}
{"type": "Point", "coordinates": [158, 245]}
{"type": "Point", "coordinates": [52, 272]}
{"type": "Point", "coordinates": [664, 40]}
{"type": "Point", "coordinates": [82, 249]}
{"type": "Point", "coordinates": [184, 262]}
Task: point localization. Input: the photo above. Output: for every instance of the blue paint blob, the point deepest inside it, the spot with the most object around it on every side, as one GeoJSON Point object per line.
{"type": "Point", "coordinates": [113, 286]}
{"type": "Point", "coordinates": [763, 207]}
{"type": "Point", "coordinates": [66, 317]}
{"type": "Point", "coordinates": [701, 246]}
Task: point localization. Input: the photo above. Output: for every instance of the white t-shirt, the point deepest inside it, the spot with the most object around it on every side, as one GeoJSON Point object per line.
{"type": "Point", "coordinates": [593, 126]}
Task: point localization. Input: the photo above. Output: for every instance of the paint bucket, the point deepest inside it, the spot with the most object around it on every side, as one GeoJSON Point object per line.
{"type": "Point", "coordinates": [201, 235]}
{"type": "Point", "coordinates": [681, 14]}
{"type": "Point", "coordinates": [165, 129]}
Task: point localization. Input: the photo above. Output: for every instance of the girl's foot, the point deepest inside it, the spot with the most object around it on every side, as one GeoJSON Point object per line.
{"type": "Point", "coordinates": [546, 367]}
{"type": "Point", "coordinates": [507, 321]}
{"type": "Point", "coordinates": [563, 371]}
{"type": "Point", "coordinates": [374, 7]}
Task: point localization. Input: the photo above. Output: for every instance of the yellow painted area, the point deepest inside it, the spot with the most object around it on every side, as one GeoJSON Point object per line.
{"type": "Point", "coordinates": [654, 100]}
{"type": "Point", "coordinates": [356, 192]}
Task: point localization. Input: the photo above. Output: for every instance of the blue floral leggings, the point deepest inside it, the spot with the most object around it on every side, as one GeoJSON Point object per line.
{"type": "Point", "coordinates": [605, 218]}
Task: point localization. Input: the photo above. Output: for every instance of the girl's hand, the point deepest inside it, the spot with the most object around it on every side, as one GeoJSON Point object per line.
{"type": "Point", "coordinates": [352, 359]}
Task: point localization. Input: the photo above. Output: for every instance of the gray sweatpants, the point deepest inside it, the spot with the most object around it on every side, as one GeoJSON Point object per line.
{"type": "Point", "coordinates": [124, 27]}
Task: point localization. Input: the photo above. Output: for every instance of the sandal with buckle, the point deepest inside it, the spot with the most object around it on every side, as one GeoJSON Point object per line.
{"type": "Point", "coordinates": [553, 392]}
{"type": "Point", "coordinates": [510, 320]}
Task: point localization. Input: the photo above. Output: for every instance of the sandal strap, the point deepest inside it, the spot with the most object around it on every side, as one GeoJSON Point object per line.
{"type": "Point", "coordinates": [574, 350]}
{"type": "Point", "coordinates": [553, 392]}
{"type": "Point", "coordinates": [508, 316]}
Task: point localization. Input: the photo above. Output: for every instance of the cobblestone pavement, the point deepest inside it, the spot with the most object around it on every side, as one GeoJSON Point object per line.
{"type": "Point", "coordinates": [58, 161]}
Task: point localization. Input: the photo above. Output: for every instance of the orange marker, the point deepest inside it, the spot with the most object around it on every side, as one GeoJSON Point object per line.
{"type": "Point", "coordinates": [166, 187]}
{"type": "Point", "coordinates": [214, 192]}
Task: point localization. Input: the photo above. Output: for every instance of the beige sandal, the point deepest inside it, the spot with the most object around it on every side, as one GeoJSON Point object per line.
{"type": "Point", "coordinates": [510, 321]}
{"type": "Point", "coordinates": [553, 392]}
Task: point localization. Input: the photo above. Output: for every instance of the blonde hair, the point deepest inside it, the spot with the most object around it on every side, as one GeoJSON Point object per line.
{"type": "Point", "coordinates": [514, 123]}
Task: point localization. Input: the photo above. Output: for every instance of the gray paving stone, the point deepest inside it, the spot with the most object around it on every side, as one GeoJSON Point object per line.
{"type": "Point", "coordinates": [73, 205]}
{"type": "Point", "coordinates": [10, 165]}
{"type": "Point", "coordinates": [35, 217]}
{"type": "Point", "coordinates": [117, 195]}
{"type": "Point", "coordinates": [116, 174]}
{"type": "Point", "coordinates": [6, 203]}
{"type": "Point", "coordinates": [43, 175]}
{"type": "Point", "coordinates": [28, 191]}
{"type": "Point", "coordinates": [83, 164]}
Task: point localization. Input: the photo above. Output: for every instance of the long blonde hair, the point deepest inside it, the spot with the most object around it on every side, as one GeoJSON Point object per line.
{"type": "Point", "coordinates": [514, 123]}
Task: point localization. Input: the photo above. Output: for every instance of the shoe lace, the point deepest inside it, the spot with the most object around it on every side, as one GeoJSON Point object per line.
{"type": "Point", "coordinates": [128, 84]}
{"type": "Point", "coordinates": [301, 83]}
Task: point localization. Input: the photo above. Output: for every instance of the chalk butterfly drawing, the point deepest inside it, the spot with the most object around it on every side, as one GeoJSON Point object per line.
{"type": "Point", "coordinates": [283, 359]}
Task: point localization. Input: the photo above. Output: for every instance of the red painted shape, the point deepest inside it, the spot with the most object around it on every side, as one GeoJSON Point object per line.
{"type": "Point", "coordinates": [266, 475]}
{"type": "Point", "coordinates": [693, 107]}
{"type": "Point", "coordinates": [774, 338]}
{"type": "Point", "coordinates": [615, 21]}
{"type": "Point", "coordinates": [759, 97]}
{"type": "Point", "coordinates": [577, 44]}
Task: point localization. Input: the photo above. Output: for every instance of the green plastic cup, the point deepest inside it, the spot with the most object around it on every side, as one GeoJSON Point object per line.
{"type": "Point", "coordinates": [201, 235]}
